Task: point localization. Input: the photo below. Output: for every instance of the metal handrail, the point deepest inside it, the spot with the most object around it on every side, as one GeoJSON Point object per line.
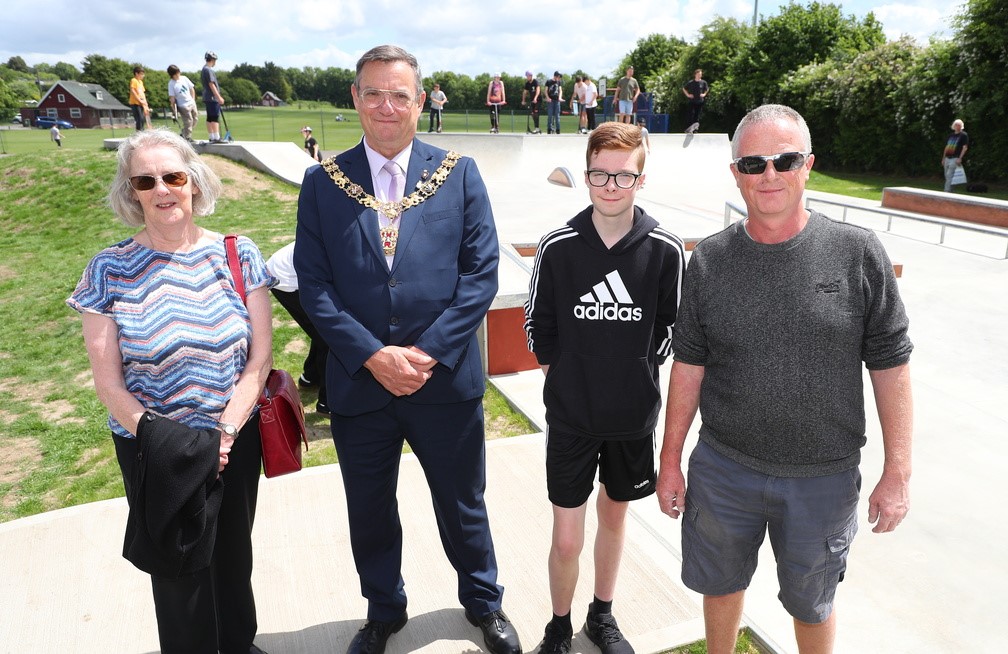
{"type": "Point", "coordinates": [730, 208]}
{"type": "Point", "coordinates": [944, 223]}
{"type": "Point", "coordinates": [514, 256]}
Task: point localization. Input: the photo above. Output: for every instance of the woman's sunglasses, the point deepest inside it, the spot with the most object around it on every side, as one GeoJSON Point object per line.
{"type": "Point", "coordinates": [147, 182]}
{"type": "Point", "coordinates": [782, 163]}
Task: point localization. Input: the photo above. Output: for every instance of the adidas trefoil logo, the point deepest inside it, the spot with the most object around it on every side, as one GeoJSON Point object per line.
{"type": "Point", "coordinates": [608, 300]}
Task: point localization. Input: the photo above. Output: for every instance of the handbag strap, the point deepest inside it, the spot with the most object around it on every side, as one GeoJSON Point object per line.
{"type": "Point", "coordinates": [234, 264]}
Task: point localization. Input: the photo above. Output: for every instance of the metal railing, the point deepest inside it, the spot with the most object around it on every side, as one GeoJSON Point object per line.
{"type": "Point", "coordinates": [944, 223]}
{"type": "Point", "coordinates": [890, 214]}
{"type": "Point", "coordinates": [730, 208]}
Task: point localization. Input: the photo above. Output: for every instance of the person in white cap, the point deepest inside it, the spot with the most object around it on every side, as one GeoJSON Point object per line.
{"type": "Point", "coordinates": [310, 144]}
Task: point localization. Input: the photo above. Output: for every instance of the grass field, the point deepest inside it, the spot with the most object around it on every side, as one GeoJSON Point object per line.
{"type": "Point", "coordinates": [285, 123]}
{"type": "Point", "coordinates": [270, 124]}
{"type": "Point", "coordinates": [55, 448]}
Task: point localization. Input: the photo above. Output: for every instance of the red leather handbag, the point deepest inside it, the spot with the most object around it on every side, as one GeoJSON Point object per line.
{"type": "Point", "coordinates": [281, 414]}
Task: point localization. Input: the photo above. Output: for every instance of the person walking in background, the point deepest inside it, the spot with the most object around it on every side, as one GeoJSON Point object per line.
{"type": "Point", "coordinates": [54, 134]}
{"type": "Point", "coordinates": [590, 103]}
{"type": "Point", "coordinates": [181, 403]}
{"type": "Point", "coordinates": [281, 266]}
{"type": "Point", "coordinates": [954, 152]}
{"type": "Point", "coordinates": [532, 97]}
{"type": "Point", "coordinates": [627, 90]}
{"type": "Point", "coordinates": [437, 102]}
{"type": "Point", "coordinates": [138, 99]}
{"type": "Point", "coordinates": [397, 277]}
{"type": "Point", "coordinates": [583, 342]}
{"type": "Point", "coordinates": [182, 95]}
{"type": "Point", "coordinates": [311, 146]}
{"type": "Point", "coordinates": [696, 90]}
{"type": "Point", "coordinates": [554, 92]}
{"type": "Point", "coordinates": [496, 98]}
{"type": "Point", "coordinates": [779, 313]}
{"type": "Point", "coordinates": [577, 103]}
{"type": "Point", "coordinates": [212, 97]}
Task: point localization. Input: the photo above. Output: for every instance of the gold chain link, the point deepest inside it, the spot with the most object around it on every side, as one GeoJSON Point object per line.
{"type": "Point", "coordinates": [392, 210]}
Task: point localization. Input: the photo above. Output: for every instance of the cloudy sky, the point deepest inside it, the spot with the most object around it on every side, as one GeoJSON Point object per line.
{"type": "Point", "coordinates": [446, 35]}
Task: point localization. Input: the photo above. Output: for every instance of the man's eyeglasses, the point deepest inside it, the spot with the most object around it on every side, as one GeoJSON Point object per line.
{"type": "Point", "coordinates": [147, 182]}
{"type": "Point", "coordinates": [785, 161]}
{"type": "Point", "coordinates": [601, 178]}
{"type": "Point", "coordinates": [374, 98]}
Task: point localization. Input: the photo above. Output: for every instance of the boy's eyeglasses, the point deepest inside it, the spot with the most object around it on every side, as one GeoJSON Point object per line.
{"type": "Point", "coordinates": [784, 162]}
{"type": "Point", "coordinates": [374, 98]}
{"type": "Point", "coordinates": [147, 182]}
{"type": "Point", "coordinates": [600, 178]}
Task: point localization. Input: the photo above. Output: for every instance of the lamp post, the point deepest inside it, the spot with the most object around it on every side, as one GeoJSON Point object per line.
{"type": "Point", "coordinates": [755, 12]}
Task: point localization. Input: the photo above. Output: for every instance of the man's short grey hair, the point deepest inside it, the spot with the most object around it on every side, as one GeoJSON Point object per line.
{"type": "Point", "coordinates": [389, 54]}
{"type": "Point", "coordinates": [122, 198]}
{"type": "Point", "coordinates": [769, 113]}
{"type": "Point", "coordinates": [959, 122]}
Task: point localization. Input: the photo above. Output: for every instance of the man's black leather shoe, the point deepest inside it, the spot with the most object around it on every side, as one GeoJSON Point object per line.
{"type": "Point", "coordinates": [499, 634]}
{"type": "Point", "coordinates": [373, 636]}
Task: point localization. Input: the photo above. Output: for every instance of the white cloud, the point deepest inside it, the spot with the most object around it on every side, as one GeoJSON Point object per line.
{"type": "Point", "coordinates": [456, 35]}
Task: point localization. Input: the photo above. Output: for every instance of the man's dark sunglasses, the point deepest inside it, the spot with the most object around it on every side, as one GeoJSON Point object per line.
{"type": "Point", "coordinates": [147, 182]}
{"type": "Point", "coordinates": [785, 161]}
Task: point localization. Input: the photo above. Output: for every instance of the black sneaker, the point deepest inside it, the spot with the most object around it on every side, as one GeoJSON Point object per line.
{"type": "Point", "coordinates": [556, 640]}
{"type": "Point", "coordinates": [601, 629]}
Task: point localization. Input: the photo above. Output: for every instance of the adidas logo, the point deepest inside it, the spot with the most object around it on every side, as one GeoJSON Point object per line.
{"type": "Point", "coordinates": [608, 300]}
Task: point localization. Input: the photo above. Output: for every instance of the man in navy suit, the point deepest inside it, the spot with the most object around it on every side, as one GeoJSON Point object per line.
{"type": "Point", "coordinates": [396, 259]}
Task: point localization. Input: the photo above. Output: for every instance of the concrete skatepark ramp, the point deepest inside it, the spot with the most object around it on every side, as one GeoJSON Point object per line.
{"type": "Point", "coordinates": [924, 588]}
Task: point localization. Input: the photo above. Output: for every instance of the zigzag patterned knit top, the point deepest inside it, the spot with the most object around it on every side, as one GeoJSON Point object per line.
{"type": "Point", "coordinates": [184, 332]}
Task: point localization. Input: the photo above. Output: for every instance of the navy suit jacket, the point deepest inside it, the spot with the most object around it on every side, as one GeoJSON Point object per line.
{"type": "Point", "coordinates": [442, 282]}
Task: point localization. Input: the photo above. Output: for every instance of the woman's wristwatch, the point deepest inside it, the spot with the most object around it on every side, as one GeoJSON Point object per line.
{"type": "Point", "coordinates": [228, 429]}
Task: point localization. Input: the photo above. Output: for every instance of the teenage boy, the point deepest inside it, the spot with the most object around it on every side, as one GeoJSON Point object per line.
{"type": "Point", "coordinates": [601, 309]}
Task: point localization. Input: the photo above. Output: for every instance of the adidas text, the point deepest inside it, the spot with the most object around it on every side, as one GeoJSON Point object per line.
{"type": "Point", "coordinates": [600, 311]}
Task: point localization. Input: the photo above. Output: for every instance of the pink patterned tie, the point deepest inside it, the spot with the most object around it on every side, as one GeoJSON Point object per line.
{"type": "Point", "coordinates": [397, 183]}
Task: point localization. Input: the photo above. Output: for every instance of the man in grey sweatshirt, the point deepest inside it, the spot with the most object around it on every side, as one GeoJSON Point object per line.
{"type": "Point", "coordinates": [778, 313]}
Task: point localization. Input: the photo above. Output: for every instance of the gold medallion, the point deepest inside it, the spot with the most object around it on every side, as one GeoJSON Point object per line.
{"type": "Point", "coordinates": [389, 237]}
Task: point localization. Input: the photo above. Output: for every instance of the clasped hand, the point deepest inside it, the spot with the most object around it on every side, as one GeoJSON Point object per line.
{"type": "Point", "coordinates": [401, 370]}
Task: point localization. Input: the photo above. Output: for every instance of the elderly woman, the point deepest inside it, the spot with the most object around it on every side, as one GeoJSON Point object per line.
{"type": "Point", "coordinates": [179, 360]}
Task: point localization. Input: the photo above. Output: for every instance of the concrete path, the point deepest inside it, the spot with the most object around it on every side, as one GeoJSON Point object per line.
{"type": "Point", "coordinates": [66, 588]}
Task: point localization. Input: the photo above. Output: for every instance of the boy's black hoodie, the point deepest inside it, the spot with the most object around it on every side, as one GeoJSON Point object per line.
{"type": "Point", "coordinates": [602, 320]}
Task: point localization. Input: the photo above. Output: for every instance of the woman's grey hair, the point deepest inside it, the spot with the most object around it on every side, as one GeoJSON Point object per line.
{"type": "Point", "coordinates": [769, 113]}
{"type": "Point", "coordinates": [389, 54]}
{"type": "Point", "coordinates": [122, 198]}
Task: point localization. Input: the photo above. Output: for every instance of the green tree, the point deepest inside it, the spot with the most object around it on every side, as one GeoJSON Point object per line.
{"type": "Point", "coordinates": [796, 37]}
{"type": "Point", "coordinates": [25, 90]}
{"type": "Point", "coordinates": [9, 102]}
{"type": "Point", "coordinates": [303, 82]}
{"type": "Point", "coordinates": [333, 85]}
{"type": "Point", "coordinates": [156, 86]}
{"type": "Point", "coordinates": [652, 54]}
{"type": "Point", "coordinates": [18, 64]}
{"type": "Point", "coordinates": [238, 91]}
{"type": "Point", "coordinates": [275, 79]}
{"type": "Point", "coordinates": [463, 91]}
{"type": "Point", "coordinates": [980, 94]}
{"type": "Point", "coordinates": [63, 70]}
{"type": "Point", "coordinates": [113, 74]}
{"type": "Point", "coordinates": [719, 43]}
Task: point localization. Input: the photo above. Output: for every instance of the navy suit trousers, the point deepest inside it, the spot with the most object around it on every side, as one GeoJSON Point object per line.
{"type": "Point", "coordinates": [448, 441]}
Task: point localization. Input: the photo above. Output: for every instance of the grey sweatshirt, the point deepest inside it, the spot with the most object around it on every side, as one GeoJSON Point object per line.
{"type": "Point", "coordinates": [782, 331]}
